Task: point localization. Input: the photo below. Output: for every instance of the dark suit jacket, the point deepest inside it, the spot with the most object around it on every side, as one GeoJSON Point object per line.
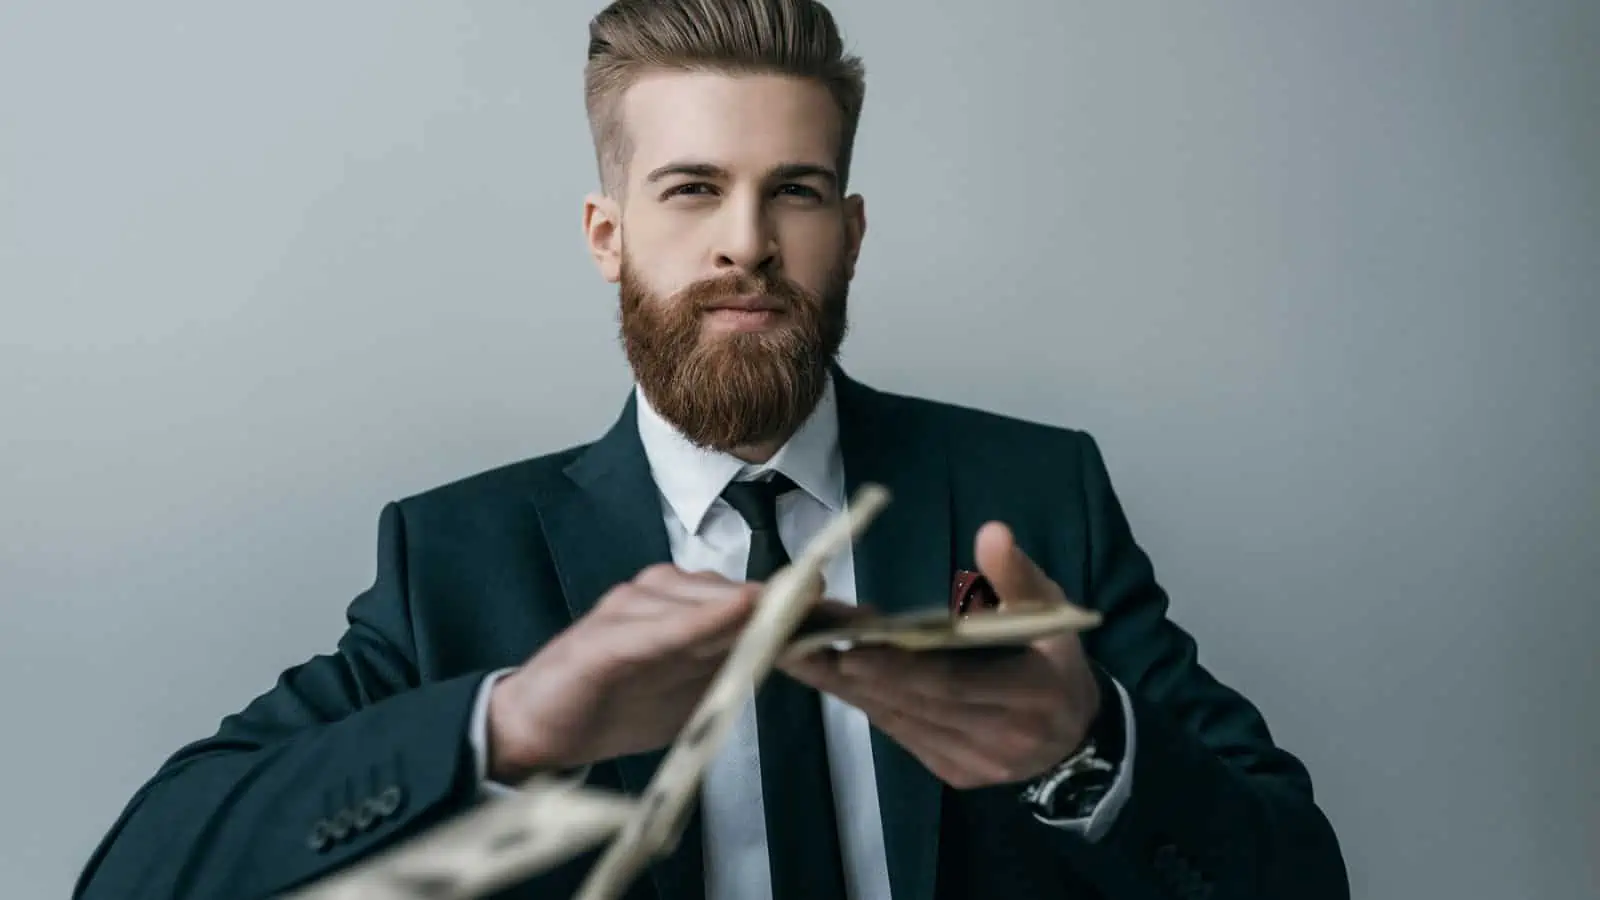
{"type": "Point", "coordinates": [479, 574]}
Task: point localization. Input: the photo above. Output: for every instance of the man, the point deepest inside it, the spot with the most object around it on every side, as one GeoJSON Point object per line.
{"type": "Point", "coordinates": [566, 613]}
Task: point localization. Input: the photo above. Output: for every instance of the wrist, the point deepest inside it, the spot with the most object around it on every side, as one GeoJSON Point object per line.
{"type": "Point", "coordinates": [1093, 691]}
{"type": "Point", "coordinates": [1074, 787]}
{"type": "Point", "coordinates": [514, 749]}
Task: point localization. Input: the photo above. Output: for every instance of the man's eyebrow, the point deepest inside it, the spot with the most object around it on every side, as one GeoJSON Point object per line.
{"type": "Point", "coordinates": [785, 172]}
{"type": "Point", "coordinates": [790, 171]}
{"type": "Point", "coordinates": [691, 169]}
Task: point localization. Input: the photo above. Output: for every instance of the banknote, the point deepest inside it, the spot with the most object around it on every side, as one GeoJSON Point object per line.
{"type": "Point", "coordinates": [937, 629]}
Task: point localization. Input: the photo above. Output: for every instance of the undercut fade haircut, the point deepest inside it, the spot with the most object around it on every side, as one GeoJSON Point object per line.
{"type": "Point", "coordinates": [630, 38]}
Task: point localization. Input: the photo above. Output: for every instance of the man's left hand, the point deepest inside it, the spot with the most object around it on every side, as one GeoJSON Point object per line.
{"type": "Point", "coordinates": [975, 720]}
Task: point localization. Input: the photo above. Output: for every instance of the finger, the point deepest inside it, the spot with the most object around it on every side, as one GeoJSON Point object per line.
{"type": "Point", "coordinates": [710, 598]}
{"type": "Point", "coordinates": [898, 719]}
{"type": "Point", "coordinates": [708, 621]}
{"type": "Point", "coordinates": [835, 673]}
{"type": "Point", "coordinates": [1015, 680]}
{"type": "Point", "coordinates": [631, 601]}
{"type": "Point", "coordinates": [978, 744]}
{"type": "Point", "coordinates": [672, 673]}
{"type": "Point", "coordinates": [952, 708]}
{"type": "Point", "coordinates": [675, 584]}
{"type": "Point", "coordinates": [658, 629]}
{"type": "Point", "coordinates": [716, 647]}
{"type": "Point", "coordinates": [818, 669]}
{"type": "Point", "coordinates": [1017, 580]}
{"type": "Point", "coordinates": [950, 753]}
{"type": "Point", "coordinates": [702, 630]}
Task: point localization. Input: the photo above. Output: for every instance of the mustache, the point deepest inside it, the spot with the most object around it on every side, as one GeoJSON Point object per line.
{"type": "Point", "coordinates": [757, 291]}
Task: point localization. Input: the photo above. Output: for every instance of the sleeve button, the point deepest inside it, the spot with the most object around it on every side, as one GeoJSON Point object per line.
{"type": "Point", "coordinates": [389, 800]}
{"type": "Point", "coordinates": [341, 825]}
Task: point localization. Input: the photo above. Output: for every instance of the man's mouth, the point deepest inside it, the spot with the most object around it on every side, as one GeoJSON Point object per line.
{"type": "Point", "coordinates": [743, 314]}
{"type": "Point", "coordinates": [754, 303]}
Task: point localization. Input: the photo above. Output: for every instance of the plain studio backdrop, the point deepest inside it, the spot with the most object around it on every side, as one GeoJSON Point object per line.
{"type": "Point", "coordinates": [1320, 277]}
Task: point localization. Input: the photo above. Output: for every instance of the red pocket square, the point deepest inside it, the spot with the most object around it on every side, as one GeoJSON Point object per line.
{"type": "Point", "coordinates": [971, 592]}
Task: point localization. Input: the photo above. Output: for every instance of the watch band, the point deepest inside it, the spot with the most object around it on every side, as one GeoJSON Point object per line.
{"type": "Point", "coordinates": [1073, 788]}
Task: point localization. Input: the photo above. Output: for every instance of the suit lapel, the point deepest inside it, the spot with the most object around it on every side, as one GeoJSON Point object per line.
{"type": "Point", "coordinates": [902, 563]}
{"type": "Point", "coordinates": [603, 521]}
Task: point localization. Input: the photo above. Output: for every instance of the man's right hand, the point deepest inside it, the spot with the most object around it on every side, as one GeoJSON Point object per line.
{"type": "Point", "coordinates": [623, 679]}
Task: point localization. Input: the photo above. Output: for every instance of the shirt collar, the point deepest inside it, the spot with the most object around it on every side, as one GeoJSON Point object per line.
{"type": "Point", "coordinates": [692, 478]}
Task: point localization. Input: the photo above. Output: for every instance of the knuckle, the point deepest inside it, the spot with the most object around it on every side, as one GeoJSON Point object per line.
{"type": "Point", "coordinates": [620, 595]}
{"type": "Point", "coordinates": [657, 574]}
{"type": "Point", "coordinates": [618, 658]}
{"type": "Point", "coordinates": [710, 576]}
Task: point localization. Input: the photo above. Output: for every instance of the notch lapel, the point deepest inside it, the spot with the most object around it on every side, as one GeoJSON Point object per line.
{"type": "Point", "coordinates": [902, 563]}
{"type": "Point", "coordinates": [603, 521]}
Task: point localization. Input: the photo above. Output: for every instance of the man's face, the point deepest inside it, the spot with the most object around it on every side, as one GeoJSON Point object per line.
{"type": "Point", "coordinates": [733, 251]}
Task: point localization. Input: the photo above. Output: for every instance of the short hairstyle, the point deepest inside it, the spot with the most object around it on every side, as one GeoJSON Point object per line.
{"type": "Point", "coordinates": [782, 37]}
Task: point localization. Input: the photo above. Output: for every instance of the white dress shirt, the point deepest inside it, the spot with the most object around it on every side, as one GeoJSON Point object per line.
{"type": "Point", "coordinates": [706, 534]}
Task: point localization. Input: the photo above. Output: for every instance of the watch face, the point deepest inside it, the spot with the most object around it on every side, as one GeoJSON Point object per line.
{"type": "Point", "coordinates": [1077, 797]}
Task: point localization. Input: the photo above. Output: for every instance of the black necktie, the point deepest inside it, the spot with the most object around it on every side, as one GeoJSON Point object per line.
{"type": "Point", "coordinates": [802, 832]}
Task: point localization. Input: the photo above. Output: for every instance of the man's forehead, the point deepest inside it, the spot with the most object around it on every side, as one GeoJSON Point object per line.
{"type": "Point", "coordinates": [730, 120]}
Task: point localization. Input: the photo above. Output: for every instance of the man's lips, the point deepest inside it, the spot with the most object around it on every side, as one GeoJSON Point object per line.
{"type": "Point", "coordinates": [745, 304]}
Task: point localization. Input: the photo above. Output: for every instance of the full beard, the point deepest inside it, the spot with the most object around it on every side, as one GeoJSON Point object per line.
{"type": "Point", "coordinates": [732, 390]}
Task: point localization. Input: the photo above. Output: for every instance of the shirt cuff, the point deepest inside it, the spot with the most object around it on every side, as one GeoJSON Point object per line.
{"type": "Point", "coordinates": [1094, 826]}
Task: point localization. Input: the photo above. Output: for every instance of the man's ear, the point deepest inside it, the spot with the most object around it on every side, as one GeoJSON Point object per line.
{"type": "Point", "coordinates": [855, 230]}
{"type": "Point", "coordinates": [602, 229]}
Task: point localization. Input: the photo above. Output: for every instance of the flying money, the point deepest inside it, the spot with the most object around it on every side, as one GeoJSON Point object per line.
{"type": "Point", "coordinates": [549, 821]}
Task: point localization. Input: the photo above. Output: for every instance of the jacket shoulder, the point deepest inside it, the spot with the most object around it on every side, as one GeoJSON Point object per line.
{"type": "Point", "coordinates": [491, 488]}
{"type": "Point", "coordinates": [969, 431]}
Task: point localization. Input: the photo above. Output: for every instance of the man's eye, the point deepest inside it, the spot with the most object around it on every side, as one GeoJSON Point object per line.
{"type": "Point", "coordinates": [800, 190]}
{"type": "Point", "coordinates": [693, 188]}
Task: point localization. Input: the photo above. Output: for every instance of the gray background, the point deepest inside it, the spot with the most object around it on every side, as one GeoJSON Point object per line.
{"type": "Point", "coordinates": [1320, 277]}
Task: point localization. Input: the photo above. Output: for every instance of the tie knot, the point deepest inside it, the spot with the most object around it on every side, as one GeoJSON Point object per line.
{"type": "Point", "coordinates": [757, 501]}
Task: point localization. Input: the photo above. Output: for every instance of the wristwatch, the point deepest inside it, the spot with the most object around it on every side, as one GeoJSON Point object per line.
{"type": "Point", "coordinates": [1076, 785]}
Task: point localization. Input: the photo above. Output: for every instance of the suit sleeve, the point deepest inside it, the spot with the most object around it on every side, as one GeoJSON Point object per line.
{"type": "Point", "coordinates": [1217, 809]}
{"type": "Point", "coordinates": [347, 753]}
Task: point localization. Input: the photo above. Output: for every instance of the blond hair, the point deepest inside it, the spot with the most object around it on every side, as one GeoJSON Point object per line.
{"type": "Point", "coordinates": [782, 37]}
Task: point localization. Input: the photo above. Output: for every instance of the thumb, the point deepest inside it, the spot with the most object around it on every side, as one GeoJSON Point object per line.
{"type": "Point", "coordinates": [1017, 580]}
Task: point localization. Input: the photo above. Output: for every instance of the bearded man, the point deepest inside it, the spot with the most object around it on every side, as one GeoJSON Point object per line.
{"type": "Point", "coordinates": [566, 613]}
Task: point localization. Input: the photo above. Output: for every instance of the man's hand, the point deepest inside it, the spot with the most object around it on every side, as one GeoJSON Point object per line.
{"type": "Point", "coordinates": [975, 719]}
{"type": "Point", "coordinates": [626, 677]}
{"type": "Point", "coordinates": [623, 679]}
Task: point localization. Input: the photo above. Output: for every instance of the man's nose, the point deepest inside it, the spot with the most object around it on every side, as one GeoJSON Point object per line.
{"type": "Point", "coordinates": [747, 241]}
